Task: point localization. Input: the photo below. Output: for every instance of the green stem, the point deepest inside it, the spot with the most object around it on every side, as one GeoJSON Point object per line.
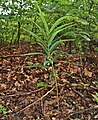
{"type": "Point", "coordinates": [56, 83]}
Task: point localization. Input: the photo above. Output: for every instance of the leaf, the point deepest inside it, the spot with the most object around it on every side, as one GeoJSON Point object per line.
{"type": "Point", "coordinates": [42, 84]}
{"type": "Point", "coordinates": [84, 22]}
{"type": "Point", "coordinates": [46, 76]}
{"type": "Point", "coordinates": [87, 73]}
{"type": "Point", "coordinates": [95, 97]}
{"type": "Point", "coordinates": [33, 53]}
{"type": "Point", "coordinates": [43, 20]}
{"type": "Point", "coordinates": [75, 69]}
{"type": "Point", "coordinates": [34, 35]}
{"type": "Point", "coordinates": [44, 47]}
{"type": "Point", "coordinates": [57, 43]}
{"type": "Point", "coordinates": [96, 49]}
{"type": "Point", "coordinates": [56, 57]}
{"type": "Point", "coordinates": [85, 33]}
{"type": "Point", "coordinates": [74, 84]}
{"type": "Point", "coordinates": [30, 63]}
{"type": "Point", "coordinates": [39, 41]}
{"type": "Point", "coordinates": [42, 30]}
{"type": "Point", "coordinates": [45, 23]}
{"type": "Point", "coordinates": [3, 110]}
{"type": "Point", "coordinates": [3, 87]}
{"type": "Point", "coordinates": [64, 26]}
{"type": "Point", "coordinates": [85, 37]}
{"type": "Point", "coordinates": [51, 75]}
{"type": "Point", "coordinates": [58, 22]}
{"type": "Point", "coordinates": [47, 62]}
{"type": "Point", "coordinates": [53, 36]}
{"type": "Point", "coordinates": [53, 52]}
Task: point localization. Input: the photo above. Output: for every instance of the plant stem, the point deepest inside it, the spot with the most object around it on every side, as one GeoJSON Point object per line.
{"type": "Point", "coordinates": [56, 83]}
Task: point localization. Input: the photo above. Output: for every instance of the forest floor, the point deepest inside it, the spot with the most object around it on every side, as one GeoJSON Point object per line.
{"type": "Point", "coordinates": [24, 100]}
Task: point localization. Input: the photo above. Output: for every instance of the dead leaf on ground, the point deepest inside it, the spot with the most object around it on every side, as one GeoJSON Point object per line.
{"type": "Point", "coordinates": [75, 69]}
{"type": "Point", "coordinates": [87, 73]}
{"type": "Point", "coordinates": [2, 87]}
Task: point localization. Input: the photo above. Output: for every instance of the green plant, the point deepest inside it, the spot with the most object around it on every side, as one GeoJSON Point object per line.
{"type": "Point", "coordinates": [41, 84]}
{"type": "Point", "coordinates": [3, 110]}
{"type": "Point", "coordinates": [38, 117]}
{"type": "Point", "coordinates": [96, 49]}
{"type": "Point", "coordinates": [48, 40]}
{"type": "Point", "coordinates": [95, 96]}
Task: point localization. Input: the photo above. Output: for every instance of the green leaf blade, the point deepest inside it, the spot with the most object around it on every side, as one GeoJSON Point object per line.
{"type": "Point", "coordinates": [42, 84]}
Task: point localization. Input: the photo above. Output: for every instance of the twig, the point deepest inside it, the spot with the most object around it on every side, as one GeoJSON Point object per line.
{"type": "Point", "coordinates": [8, 56]}
{"type": "Point", "coordinates": [33, 102]}
{"type": "Point", "coordinates": [77, 92]}
{"type": "Point", "coordinates": [82, 111]}
{"type": "Point", "coordinates": [22, 94]}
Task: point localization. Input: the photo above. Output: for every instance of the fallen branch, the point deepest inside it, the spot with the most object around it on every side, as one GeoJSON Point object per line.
{"type": "Point", "coordinates": [81, 111]}
{"type": "Point", "coordinates": [77, 92]}
{"type": "Point", "coordinates": [33, 102]}
{"type": "Point", "coordinates": [22, 94]}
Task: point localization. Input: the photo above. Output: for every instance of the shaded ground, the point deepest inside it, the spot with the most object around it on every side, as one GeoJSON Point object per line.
{"type": "Point", "coordinates": [18, 87]}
